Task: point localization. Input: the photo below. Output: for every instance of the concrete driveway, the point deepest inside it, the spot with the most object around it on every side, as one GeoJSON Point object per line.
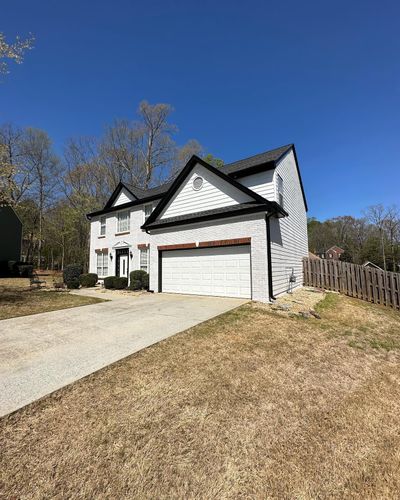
{"type": "Point", "coordinates": [44, 352]}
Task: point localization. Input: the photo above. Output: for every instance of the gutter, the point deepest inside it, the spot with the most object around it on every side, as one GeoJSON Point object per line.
{"type": "Point", "coordinates": [269, 258]}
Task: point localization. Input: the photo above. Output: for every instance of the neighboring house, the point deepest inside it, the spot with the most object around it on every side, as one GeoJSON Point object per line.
{"type": "Point", "coordinates": [313, 256]}
{"type": "Point", "coordinates": [371, 264]}
{"type": "Point", "coordinates": [334, 253]}
{"type": "Point", "coordinates": [11, 235]}
{"type": "Point", "coordinates": [236, 231]}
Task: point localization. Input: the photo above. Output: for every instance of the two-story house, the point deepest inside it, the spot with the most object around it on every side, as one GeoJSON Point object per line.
{"type": "Point", "coordinates": [236, 231]}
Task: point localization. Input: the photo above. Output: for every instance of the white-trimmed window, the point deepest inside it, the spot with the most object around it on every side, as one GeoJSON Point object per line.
{"type": "Point", "coordinates": [144, 259]}
{"type": "Point", "coordinates": [280, 190]}
{"type": "Point", "coordinates": [123, 223]}
{"type": "Point", "coordinates": [102, 264]}
{"type": "Point", "coordinates": [147, 209]}
{"type": "Point", "coordinates": [103, 226]}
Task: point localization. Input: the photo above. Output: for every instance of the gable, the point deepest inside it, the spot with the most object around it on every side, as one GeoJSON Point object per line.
{"type": "Point", "coordinates": [124, 196]}
{"type": "Point", "coordinates": [214, 193]}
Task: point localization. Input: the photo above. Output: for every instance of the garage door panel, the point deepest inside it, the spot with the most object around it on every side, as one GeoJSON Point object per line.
{"type": "Point", "coordinates": [223, 271]}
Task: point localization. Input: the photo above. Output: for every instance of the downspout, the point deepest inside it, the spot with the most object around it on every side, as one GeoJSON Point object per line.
{"type": "Point", "coordinates": [269, 258]}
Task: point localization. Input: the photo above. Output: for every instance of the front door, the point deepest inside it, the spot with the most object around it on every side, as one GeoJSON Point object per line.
{"type": "Point", "coordinates": [122, 264]}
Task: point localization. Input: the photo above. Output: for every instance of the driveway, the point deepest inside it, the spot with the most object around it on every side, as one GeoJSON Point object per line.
{"type": "Point", "coordinates": [44, 352]}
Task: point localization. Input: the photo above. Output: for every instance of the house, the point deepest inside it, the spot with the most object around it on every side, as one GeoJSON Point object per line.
{"type": "Point", "coordinates": [371, 264]}
{"type": "Point", "coordinates": [313, 256]}
{"type": "Point", "coordinates": [11, 231]}
{"type": "Point", "coordinates": [236, 231]}
{"type": "Point", "coordinates": [334, 253]}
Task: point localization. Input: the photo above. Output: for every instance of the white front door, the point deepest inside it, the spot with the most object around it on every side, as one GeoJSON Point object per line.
{"type": "Point", "coordinates": [223, 271]}
{"type": "Point", "coordinates": [123, 266]}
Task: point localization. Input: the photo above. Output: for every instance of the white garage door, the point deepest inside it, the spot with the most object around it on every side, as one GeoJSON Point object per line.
{"type": "Point", "coordinates": [223, 271]}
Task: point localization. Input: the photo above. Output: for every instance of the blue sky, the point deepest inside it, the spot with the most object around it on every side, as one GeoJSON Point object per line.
{"type": "Point", "coordinates": [243, 77]}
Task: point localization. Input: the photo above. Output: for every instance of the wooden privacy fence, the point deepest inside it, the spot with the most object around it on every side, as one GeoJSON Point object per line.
{"type": "Point", "coordinates": [364, 283]}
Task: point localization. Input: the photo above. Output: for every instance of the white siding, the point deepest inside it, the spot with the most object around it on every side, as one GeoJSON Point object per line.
{"type": "Point", "coordinates": [289, 239]}
{"type": "Point", "coordinates": [133, 238]}
{"type": "Point", "coordinates": [215, 193]}
{"type": "Point", "coordinates": [262, 183]}
{"type": "Point", "coordinates": [123, 197]}
{"type": "Point", "coordinates": [253, 226]}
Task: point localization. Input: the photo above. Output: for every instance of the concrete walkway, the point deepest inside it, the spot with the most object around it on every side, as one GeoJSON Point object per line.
{"type": "Point", "coordinates": [44, 352]}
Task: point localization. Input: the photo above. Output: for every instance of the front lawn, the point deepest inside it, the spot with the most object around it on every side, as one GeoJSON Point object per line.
{"type": "Point", "coordinates": [252, 404]}
{"type": "Point", "coordinates": [17, 299]}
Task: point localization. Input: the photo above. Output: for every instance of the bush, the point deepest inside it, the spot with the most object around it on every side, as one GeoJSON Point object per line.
{"type": "Point", "coordinates": [25, 270]}
{"type": "Point", "coordinates": [135, 285]}
{"type": "Point", "coordinates": [15, 269]}
{"type": "Point", "coordinates": [109, 282]}
{"type": "Point", "coordinates": [72, 273]}
{"type": "Point", "coordinates": [139, 276]}
{"type": "Point", "coordinates": [87, 280]}
{"type": "Point", "coordinates": [120, 283]}
{"type": "Point", "coordinates": [73, 283]}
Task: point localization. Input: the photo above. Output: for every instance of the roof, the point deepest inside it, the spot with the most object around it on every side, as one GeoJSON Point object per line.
{"type": "Point", "coordinates": [229, 169]}
{"type": "Point", "coordinates": [148, 193]}
{"type": "Point", "coordinates": [246, 166]}
{"type": "Point", "coordinates": [271, 156]}
{"type": "Point", "coordinates": [233, 210]}
{"type": "Point", "coordinates": [194, 160]}
{"type": "Point", "coordinates": [371, 264]}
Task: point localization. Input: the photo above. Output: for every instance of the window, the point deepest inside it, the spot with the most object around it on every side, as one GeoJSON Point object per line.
{"type": "Point", "coordinates": [102, 264]}
{"type": "Point", "coordinates": [147, 211]}
{"type": "Point", "coordinates": [280, 190]}
{"type": "Point", "coordinates": [102, 226]}
{"type": "Point", "coordinates": [144, 259]}
{"type": "Point", "coordinates": [123, 222]}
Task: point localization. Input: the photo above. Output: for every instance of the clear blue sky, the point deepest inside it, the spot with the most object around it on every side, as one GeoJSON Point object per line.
{"type": "Point", "coordinates": [243, 77]}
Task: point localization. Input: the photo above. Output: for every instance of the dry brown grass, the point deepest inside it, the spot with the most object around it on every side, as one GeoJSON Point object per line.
{"type": "Point", "coordinates": [248, 405]}
{"type": "Point", "coordinates": [19, 300]}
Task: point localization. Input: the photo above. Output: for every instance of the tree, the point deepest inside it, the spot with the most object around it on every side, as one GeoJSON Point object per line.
{"type": "Point", "coordinates": [376, 214]}
{"type": "Point", "coordinates": [157, 147]}
{"type": "Point", "coordinates": [44, 165]}
{"type": "Point", "coordinates": [13, 51]}
{"type": "Point", "coordinates": [392, 230]}
{"type": "Point", "coordinates": [15, 174]}
{"type": "Point", "coordinates": [212, 160]}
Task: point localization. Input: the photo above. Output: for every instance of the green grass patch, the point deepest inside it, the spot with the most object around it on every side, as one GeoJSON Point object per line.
{"type": "Point", "coordinates": [328, 303]}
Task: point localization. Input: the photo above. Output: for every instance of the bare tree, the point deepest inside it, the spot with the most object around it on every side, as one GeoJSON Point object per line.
{"type": "Point", "coordinates": [376, 214]}
{"type": "Point", "coordinates": [120, 154]}
{"type": "Point", "coordinates": [157, 147]}
{"type": "Point", "coordinates": [15, 174]}
{"type": "Point", "coordinates": [13, 51]}
{"type": "Point", "coordinates": [44, 166]}
{"type": "Point", "coordinates": [392, 229]}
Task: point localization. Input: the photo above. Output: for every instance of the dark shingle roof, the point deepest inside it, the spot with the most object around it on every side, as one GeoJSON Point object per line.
{"type": "Point", "coordinates": [148, 193]}
{"type": "Point", "coordinates": [228, 169]}
{"type": "Point", "coordinates": [260, 159]}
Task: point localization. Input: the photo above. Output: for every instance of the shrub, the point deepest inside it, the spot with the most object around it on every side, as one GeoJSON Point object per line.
{"type": "Point", "coordinates": [73, 283]}
{"type": "Point", "coordinates": [109, 282]}
{"type": "Point", "coordinates": [72, 272]}
{"type": "Point", "coordinates": [25, 270]}
{"type": "Point", "coordinates": [120, 283]}
{"type": "Point", "coordinates": [139, 276]}
{"type": "Point", "coordinates": [87, 280]}
{"type": "Point", "coordinates": [135, 285]}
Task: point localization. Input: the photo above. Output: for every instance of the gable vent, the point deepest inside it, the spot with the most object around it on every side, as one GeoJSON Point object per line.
{"type": "Point", "coordinates": [197, 183]}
